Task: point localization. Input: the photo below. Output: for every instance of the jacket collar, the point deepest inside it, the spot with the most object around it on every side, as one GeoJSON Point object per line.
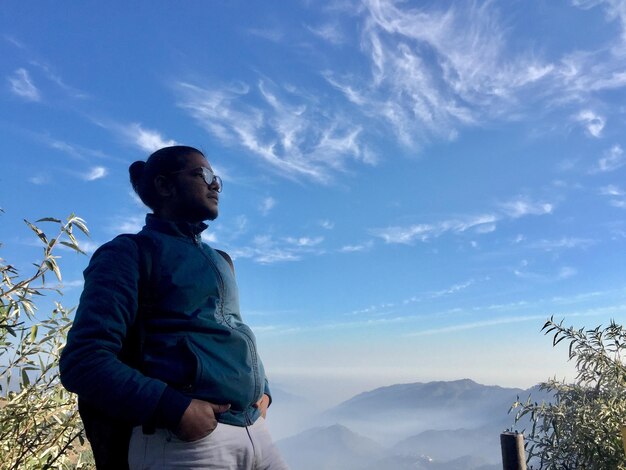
{"type": "Point", "coordinates": [180, 229]}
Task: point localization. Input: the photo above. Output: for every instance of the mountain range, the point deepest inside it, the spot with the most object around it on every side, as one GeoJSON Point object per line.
{"type": "Point", "coordinates": [453, 425]}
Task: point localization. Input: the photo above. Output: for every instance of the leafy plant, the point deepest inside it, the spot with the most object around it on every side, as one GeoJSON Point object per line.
{"type": "Point", "coordinates": [581, 427]}
{"type": "Point", "coordinates": [39, 425]}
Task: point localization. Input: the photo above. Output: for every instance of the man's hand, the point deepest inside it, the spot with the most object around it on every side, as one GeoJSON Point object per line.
{"type": "Point", "coordinates": [262, 404]}
{"type": "Point", "coordinates": [198, 421]}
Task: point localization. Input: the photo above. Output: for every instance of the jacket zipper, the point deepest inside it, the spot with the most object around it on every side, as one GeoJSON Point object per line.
{"type": "Point", "coordinates": [249, 340]}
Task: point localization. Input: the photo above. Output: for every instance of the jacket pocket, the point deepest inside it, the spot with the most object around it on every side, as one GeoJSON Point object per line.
{"type": "Point", "coordinates": [173, 361]}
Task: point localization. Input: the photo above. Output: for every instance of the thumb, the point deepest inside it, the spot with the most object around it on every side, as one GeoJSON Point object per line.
{"type": "Point", "coordinates": [219, 408]}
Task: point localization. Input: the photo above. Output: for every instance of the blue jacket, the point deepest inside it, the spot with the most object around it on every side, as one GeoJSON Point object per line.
{"type": "Point", "coordinates": [196, 345]}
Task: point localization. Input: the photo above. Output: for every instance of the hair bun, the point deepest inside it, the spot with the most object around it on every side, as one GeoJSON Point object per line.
{"type": "Point", "coordinates": [136, 171]}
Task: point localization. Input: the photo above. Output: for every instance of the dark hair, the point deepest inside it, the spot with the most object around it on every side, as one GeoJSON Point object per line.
{"type": "Point", "coordinates": [162, 162]}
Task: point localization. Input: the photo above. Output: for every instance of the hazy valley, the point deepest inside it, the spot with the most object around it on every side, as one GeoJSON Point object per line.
{"type": "Point", "coordinates": [453, 425]}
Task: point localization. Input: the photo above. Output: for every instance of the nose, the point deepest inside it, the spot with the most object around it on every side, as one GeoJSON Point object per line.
{"type": "Point", "coordinates": [216, 184]}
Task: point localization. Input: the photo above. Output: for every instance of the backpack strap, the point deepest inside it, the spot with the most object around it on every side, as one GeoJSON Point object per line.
{"type": "Point", "coordinates": [108, 437]}
{"type": "Point", "coordinates": [228, 259]}
{"type": "Point", "coordinates": [132, 349]}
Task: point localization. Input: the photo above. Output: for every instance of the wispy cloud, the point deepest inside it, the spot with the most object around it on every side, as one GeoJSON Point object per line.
{"type": "Point", "coordinates": [612, 190]}
{"type": "Point", "coordinates": [330, 32]}
{"type": "Point", "coordinates": [612, 160]}
{"type": "Point", "coordinates": [304, 241]}
{"type": "Point", "coordinates": [563, 243]}
{"type": "Point", "coordinates": [55, 78]}
{"type": "Point", "coordinates": [266, 249]}
{"type": "Point", "coordinates": [209, 237]}
{"type": "Point", "coordinates": [522, 206]}
{"type": "Point", "coordinates": [39, 179]}
{"type": "Point", "coordinates": [425, 232]}
{"type": "Point", "coordinates": [128, 224]}
{"type": "Point", "coordinates": [273, 34]}
{"type": "Point", "coordinates": [22, 85]}
{"type": "Point", "coordinates": [564, 272]}
{"type": "Point", "coordinates": [616, 194]}
{"type": "Point", "coordinates": [267, 205]}
{"type": "Point", "coordinates": [327, 224]}
{"type": "Point", "coordinates": [95, 173]}
{"type": "Point", "coordinates": [477, 324]}
{"type": "Point", "coordinates": [593, 123]}
{"type": "Point", "coordinates": [365, 246]}
{"type": "Point", "coordinates": [482, 224]}
{"type": "Point", "coordinates": [146, 139]}
{"type": "Point", "coordinates": [290, 131]}
{"type": "Point", "coordinates": [433, 70]}
{"type": "Point", "coordinates": [74, 150]}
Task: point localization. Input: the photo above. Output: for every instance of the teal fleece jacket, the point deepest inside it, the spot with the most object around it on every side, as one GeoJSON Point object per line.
{"type": "Point", "coordinates": [196, 344]}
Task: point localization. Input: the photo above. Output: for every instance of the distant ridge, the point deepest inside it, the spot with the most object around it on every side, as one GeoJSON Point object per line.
{"type": "Point", "coordinates": [330, 447]}
{"type": "Point", "coordinates": [429, 395]}
{"type": "Point", "coordinates": [453, 425]}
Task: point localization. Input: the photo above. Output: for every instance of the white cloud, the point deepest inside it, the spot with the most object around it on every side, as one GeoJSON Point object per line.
{"type": "Point", "coordinates": [128, 224]}
{"type": "Point", "coordinates": [289, 130]}
{"type": "Point", "coordinates": [612, 190]}
{"type": "Point", "coordinates": [433, 70]}
{"type": "Point", "coordinates": [405, 235]}
{"type": "Point", "coordinates": [481, 224]}
{"type": "Point", "coordinates": [563, 243]}
{"type": "Point", "coordinates": [274, 34]}
{"type": "Point", "coordinates": [88, 246]}
{"type": "Point", "coordinates": [453, 289]}
{"type": "Point", "coordinates": [146, 139]}
{"type": "Point", "coordinates": [327, 224]}
{"type": "Point", "coordinates": [22, 85]}
{"type": "Point", "coordinates": [95, 173]}
{"type": "Point", "coordinates": [267, 205]}
{"type": "Point", "coordinates": [612, 160]}
{"type": "Point", "coordinates": [55, 78]}
{"type": "Point", "coordinates": [592, 122]}
{"type": "Point", "coordinates": [522, 206]}
{"type": "Point", "coordinates": [265, 249]}
{"type": "Point", "coordinates": [67, 285]}
{"type": "Point", "coordinates": [39, 179]}
{"type": "Point", "coordinates": [477, 324]}
{"type": "Point", "coordinates": [357, 248]}
{"type": "Point", "coordinates": [566, 272]}
{"type": "Point", "coordinates": [425, 232]}
{"type": "Point", "coordinates": [304, 241]}
{"type": "Point", "coordinates": [329, 32]}
{"type": "Point", "coordinates": [209, 237]}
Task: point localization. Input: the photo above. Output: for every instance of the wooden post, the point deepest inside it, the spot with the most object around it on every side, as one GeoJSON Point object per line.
{"type": "Point", "coordinates": [513, 455]}
{"type": "Point", "coordinates": [624, 436]}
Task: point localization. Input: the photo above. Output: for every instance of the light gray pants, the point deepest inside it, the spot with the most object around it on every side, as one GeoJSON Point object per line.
{"type": "Point", "coordinates": [226, 448]}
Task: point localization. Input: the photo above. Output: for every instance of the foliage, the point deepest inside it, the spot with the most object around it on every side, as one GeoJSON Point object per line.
{"type": "Point", "coordinates": [39, 425]}
{"type": "Point", "coordinates": [581, 427]}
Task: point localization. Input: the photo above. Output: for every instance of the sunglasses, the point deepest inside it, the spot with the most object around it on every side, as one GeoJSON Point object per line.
{"type": "Point", "coordinates": [210, 178]}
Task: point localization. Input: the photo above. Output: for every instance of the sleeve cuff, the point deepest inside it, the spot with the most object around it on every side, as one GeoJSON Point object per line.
{"type": "Point", "coordinates": [267, 392]}
{"type": "Point", "coordinates": [170, 409]}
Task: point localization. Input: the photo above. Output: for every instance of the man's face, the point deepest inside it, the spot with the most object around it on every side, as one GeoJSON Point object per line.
{"type": "Point", "coordinates": [194, 200]}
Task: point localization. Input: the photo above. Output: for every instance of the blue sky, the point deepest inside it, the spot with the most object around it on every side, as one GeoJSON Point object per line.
{"type": "Point", "coordinates": [411, 188]}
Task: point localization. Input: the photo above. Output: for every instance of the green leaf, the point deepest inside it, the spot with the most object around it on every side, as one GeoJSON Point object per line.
{"type": "Point", "coordinates": [25, 379]}
{"type": "Point", "coordinates": [39, 233]}
{"type": "Point", "coordinates": [49, 219]}
{"type": "Point", "coordinates": [33, 333]}
{"type": "Point", "coordinates": [73, 246]}
{"type": "Point", "coordinates": [80, 223]}
{"type": "Point", "coordinates": [52, 265]}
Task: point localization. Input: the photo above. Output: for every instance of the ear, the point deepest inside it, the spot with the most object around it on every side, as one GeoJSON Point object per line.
{"type": "Point", "coordinates": [164, 187]}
